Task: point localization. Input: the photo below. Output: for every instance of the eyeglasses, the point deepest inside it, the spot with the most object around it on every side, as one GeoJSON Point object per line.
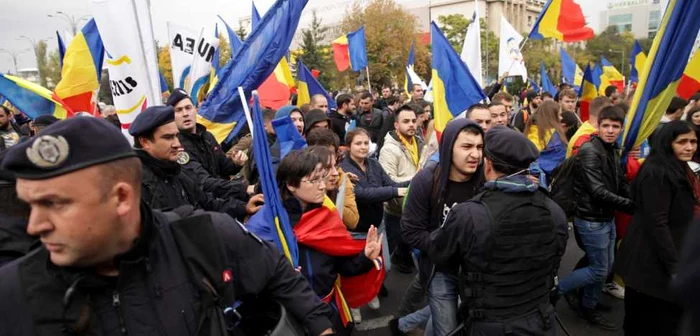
{"type": "Point", "coordinates": [318, 180]}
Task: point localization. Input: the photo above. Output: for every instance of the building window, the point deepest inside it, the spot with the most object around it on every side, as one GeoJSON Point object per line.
{"type": "Point", "coordinates": [654, 20]}
{"type": "Point", "coordinates": [529, 20]}
{"type": "Point", "coordinates": [623, 22]}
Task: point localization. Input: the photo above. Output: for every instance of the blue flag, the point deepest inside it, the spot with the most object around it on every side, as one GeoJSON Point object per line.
{"type": "Point", "coordinates": [546, 82]}
{"type": "Point", "coordinates": [288, 136]}
{"type": "Point", "coordinates": [61, 48]}
{"type": "Point", "coordinates": [358, 49]}
{"type": "Point", "coordinates": [308, 86]}
{"type": "Point", "coordinates": [234, 41]}
{"type": "Point", "coordinates": [222, 112]}
{"type": "Point", "coordinates": [254, 18]}
{"type": "Point", "coordinates": [272, 222]}
{"type": "Point", "coordinates": [533, 86]}
{"type": "Point", "coordinates": [163, 83]}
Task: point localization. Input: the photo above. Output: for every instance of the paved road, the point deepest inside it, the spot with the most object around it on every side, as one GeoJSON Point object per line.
{"type": "Point", "coordinates": [374, 322]}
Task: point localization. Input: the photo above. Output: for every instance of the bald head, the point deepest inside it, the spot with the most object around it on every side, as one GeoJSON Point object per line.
{"type": "Point", "coordinates": [319, 101]}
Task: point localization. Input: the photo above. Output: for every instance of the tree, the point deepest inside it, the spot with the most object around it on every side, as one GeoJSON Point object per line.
{"type": "Point", "coordinates": [53, 70]}
{"type": "Point", "coordinates": [164, 64]}
{"type": "Point", "coordinates": [241, 32]}
{"type": "Point", "coordinates": [42, 63]}
{"type": "Point", "coordinates": [389, 31]}
{"type": "Point", "coordinates": [612, 45]}
{"type": "Point", "coordinates": [314, 53]}
{"type": "Point", "coordinates": [455, 26]}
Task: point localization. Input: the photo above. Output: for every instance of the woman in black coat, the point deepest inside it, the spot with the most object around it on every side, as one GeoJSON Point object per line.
{"type": "Point", "coordinates": [666, 194]}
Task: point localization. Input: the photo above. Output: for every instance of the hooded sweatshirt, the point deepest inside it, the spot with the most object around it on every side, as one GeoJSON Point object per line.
{"type": "Point", "coordinates": [432, 194]}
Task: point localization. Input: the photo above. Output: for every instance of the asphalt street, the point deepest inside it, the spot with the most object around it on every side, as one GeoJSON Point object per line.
{"type": "Point", "coordinates": [375, 322]}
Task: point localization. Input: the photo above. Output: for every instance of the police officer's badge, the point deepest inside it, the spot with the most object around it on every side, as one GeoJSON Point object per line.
{"type": "Point", "coordinates": [48, 151]}
{"type": "Point", "coordinates": [183, 158]}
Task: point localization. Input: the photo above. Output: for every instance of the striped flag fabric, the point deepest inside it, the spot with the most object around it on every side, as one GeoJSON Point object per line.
{"type": "Point", "coordinates": [587, 93]}
{"type": "Point", "coordinates": [308, 86]}
{"type": "Point", "coordinates": [32, 99]}
{"type": "Point", "coordinates": [562, 20]}
{"type": "Point", "coordinates": [349, 51]}
{"type": "Point", "coordinates": [637, 61]}
{"type": "Point", "coordinates": [690, 82]}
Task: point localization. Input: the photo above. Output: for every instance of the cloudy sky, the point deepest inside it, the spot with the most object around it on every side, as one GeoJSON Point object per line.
{"type": "Point", "coordinates": [30, 18]}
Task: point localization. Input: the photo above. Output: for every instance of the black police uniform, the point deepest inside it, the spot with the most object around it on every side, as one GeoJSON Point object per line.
{"type": "Point", "coordinates": [169, 282]}
{"type": "Point", "coordinates": [509, 243]}
{"type": "Point", "coordinates": [165, 184]}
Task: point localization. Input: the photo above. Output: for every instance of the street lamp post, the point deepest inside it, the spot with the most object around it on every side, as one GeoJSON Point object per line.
{"type": "Point", "coordinates": [14, 57]}
{"type": "Point", "coordinates": [72, 21]}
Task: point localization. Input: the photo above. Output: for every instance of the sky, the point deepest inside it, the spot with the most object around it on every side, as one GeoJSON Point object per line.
{"type": "Point", "coordinates": [29, 18]}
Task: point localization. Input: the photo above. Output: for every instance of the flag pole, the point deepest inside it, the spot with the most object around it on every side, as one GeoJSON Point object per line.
{"type": "Point", "coordinates": [369, 84]}
{"type": "Point", "coordinates": [246, 109]}
{"type": "Point", "coordinates": [157, 98]}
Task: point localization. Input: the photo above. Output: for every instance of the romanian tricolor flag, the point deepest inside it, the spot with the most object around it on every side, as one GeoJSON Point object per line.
{"type": "Point", "coordinates": [32, 99]}
{"type": "Point", "coordinates": [82, 70]}
{"type": "Point", "coordinates": [61, 48]}
{"type": "Point", "coordinates": [587, 93]}
{"type": "Point", "coordinates": [610, 77]}
{"type": "Point", "coordinates": [663, 70]}
{"type": "Point", "coordinates": [408, 83]}
{"type": "Point", "coordinates": [271, 222]}
{"type": "Point", "coordinates": [572, 73]}
{"type": "Point", "coordinates": [308, 86]}
{"type": "Point", "coordinates": [349, 51]}
{"type": "Point", "coordinates": [562, 20]}
{"type": "Point", "coordinates": [690, 82]}
{"type": "Point", "coordinates": [277, 89]}
{"type": "Point", "coordinates": [454, 88]}
{"type": "Point", "coordinates": [637, 61]}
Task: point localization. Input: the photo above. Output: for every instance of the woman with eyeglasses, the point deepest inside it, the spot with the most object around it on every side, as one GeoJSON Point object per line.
{"type": "Point", "coordinates": [332, 261]}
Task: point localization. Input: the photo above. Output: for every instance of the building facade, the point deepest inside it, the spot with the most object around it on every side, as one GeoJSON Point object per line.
{"type": "Point", "coordinates": [640, 17]}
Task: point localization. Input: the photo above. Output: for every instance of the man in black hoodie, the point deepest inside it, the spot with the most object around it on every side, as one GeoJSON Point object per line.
{"type": "Point", "coordinates": [433, 192]}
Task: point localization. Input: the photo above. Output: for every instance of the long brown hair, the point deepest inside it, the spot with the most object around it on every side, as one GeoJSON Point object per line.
{"type": "Point", "coordinates": [547, 119]}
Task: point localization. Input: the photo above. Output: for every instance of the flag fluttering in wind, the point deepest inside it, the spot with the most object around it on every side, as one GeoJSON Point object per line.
{"type": "Point", "coordinates": [163, 83]}
{"type": "Point", "coordinates": [610, 77]}
{"type": "Point", "coordinates": [690, 82]}
{"type": "Point", "coordinates": [349, 51]}
{"type": "Point", "coordinates": [254, 18]}
{"type": "Point", "coordinates": [531, 85]}
{"type": "Point", "coordinates": [287, 135]}
{"type": "Point", "coordinates": [234, 40]}
{"type": "Point", "coordinates": [562, 20]}
{"type": "Point", "coordinates": [510, 59]}
{"type": "Point", "coordinates": [408, 82]}
{"type": "Point", "coordinates": [82, 70]}
{"type": "Point", "coordinates": [271, 222]}
{"type": "Point", "coordinates": [200, 71]}
{"type": "Point", "coordinates": [663, 70]}
{"type": "Point", "coordinates": [61, 48]}
{"type": "Point", "coordinates": [454, 88]}
{"type": "Point", "coordinates": [471, 49]}
{"type": "Point", "coordinates": [214, 74]}
{"type": "Point", "coordinates": [32, 99]}
{"type": "Point", "coordinates": [572, 73]}
{"type": "Point", "coordinates": [637, 61]}
{"type": "Point", "coordinates": [222, 112]}
{"type": "Point", "coordinates": [276, 90]}
{"type": "Point", "coordinates": [589, 91]}
{"type": "Point", "coordinates": [546, 82]}
{"type": "Point", "coordinates": [308, 86]}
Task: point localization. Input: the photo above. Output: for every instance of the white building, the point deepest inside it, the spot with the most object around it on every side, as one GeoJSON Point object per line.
{"type": "Point", "coordinates": [641, 17]}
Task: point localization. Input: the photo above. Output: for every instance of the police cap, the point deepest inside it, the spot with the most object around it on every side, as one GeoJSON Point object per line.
{"type": "Point", "coordinates": [175, 97]}
{"type": "Point", "coordinates": [510, 148]}
{"type": "Point", "coordinates": [66, 146]}
{"type": "Point", "coordinates": [151, 118]}
{"type": "Point", "coordinates": [45, 120]}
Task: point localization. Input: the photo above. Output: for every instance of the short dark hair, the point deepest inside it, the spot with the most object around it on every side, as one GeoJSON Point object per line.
{"type": "Point", "coordinates": [324, 154]}
{"type": "Point", "coordinates": [547, 94]}
{"type": "Point", "coordinates": [343, 99]}
{"type": "Point", "coordinates": [294, 167]}
{"type": "Point", "coordinates": [6, 109]}
{"type": "Point", "coordinates": [127, 170]}
{"type": "Point", "coordinates": [414, 86]}
{"type": "Point", "coordinates": [696, 96]}
{"type": "Point", "coordinates": [677, 103]}
{"type": "Point", "coordinates": [495, 104]}
{"type": "Point", "coordinates": [323, 137]}
{"type": "Point", "coordinates": [366, 95]}
{"type": "Point", "coordinates": [350, 136]}
{"type": "Point", "coordinates": [612, 113]}
{"type": "Point", "coordinates": [391, 100]}
{"type": "Point", "coordinates": [405, 107]}
{"type": "Point", "coordinates": [477, 106]}
{"type": "Point", "coordinates": [501, 97]}
{"type": "Point", "coordinates": [268, 114]}
{"type": "Point", "coordinates": [610, 90]}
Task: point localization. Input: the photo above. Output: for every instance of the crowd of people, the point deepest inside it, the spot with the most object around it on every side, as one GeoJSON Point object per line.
{"type": "Point", "coordinates": [166, 236]}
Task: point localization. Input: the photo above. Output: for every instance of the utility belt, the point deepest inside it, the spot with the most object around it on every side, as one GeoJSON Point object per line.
{"type": "Point", "coordinates": [475, 319]}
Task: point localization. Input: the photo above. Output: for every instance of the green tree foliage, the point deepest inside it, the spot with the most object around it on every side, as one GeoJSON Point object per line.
{"type": "Point", "coordinates": [42, 62]}
{"type": "Point", "coordinates": [389, 29]}
{"type": "Point", "coordinates": [315, 53]}
{"type": "Point", "coordinates": [612, 45]}
{"type": "Point", "coordinates": [454, 26]}
{"type": "Point", "coordinates": [164, 64]}
{"type": "Point", "coordinates": [241, 32]}
{"type": "Point", "coordinates": [53, 70]}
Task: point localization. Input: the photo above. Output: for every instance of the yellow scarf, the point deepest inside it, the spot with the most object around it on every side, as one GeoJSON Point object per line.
{"type": "Point", "coordinates": [412, 146]}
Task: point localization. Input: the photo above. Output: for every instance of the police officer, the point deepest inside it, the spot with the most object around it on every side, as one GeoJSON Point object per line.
{"type": "Point", "coordinates": [111, 265]}
{"type": "Point", "coordinates": [508, 240]}
{"type": "Point", "coordinates": [165, 184]}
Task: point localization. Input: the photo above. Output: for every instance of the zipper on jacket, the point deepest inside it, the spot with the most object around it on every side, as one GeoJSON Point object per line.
{"type": "Point", "coordinates": [116, 303]}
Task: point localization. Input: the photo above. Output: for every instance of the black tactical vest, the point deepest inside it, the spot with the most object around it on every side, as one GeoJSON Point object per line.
{"type": "Point", "coordinates": [511, 269]}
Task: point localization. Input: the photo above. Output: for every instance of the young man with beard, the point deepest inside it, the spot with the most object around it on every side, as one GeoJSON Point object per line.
{"type": "Point", "coordinates": [10, 132]}
{"type": "Point", "coordinates": [433, 192]}
{"type": "Point", "coordinates": [521, 118]}
{"type": "Point", "coordinates": [340, 119]}
{"type": "Point", "coordinates": [399, 158]}
{"type": "Point", "coordinates": [369, 117]}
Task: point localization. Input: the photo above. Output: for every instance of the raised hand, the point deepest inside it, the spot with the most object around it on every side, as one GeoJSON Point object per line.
{"type": "Point", "coordinates": [373, 244]}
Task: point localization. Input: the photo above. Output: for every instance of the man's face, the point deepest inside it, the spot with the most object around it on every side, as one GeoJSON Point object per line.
{"type": "Point", "coordinates": [185, 115]}
{"type": "Point", "coordinates": [609, 130]}
{"type": "Point", "coordinates": [298, 121]}
{"type": "Point", "coordinates": [77, 222]}
{"type": "Point", "coordinates": [4, 119]}
{"type": "Point", "coordinates": [615, 98]}
{"type": "Point", "coordinates": [321, 124]}
{"type": "Point", "coordinates": [405, 124]}
{"type": "Point", "coordinates": [536, 102]}
{"type": "Point", "coordinates": [568, 104]}
{"type": "Point", "coordinates": [466, 153]}
{"type": "Point", "coordinates": [422, 119]}
{"type": "Point", "coordinates": [351, 106]}
{"type": "Point", "coordinates": [499, 116]}
{"type": "Point", "coordinates": [165, 145]}
{"type": "Point", "coordinates": [508, 105]}
{"type": "Point", "coordinates": [320, 103]}
{"type": "Point", "coordinates": [366, 104]}
{"type": "Point", "coordinates": [417, 92]}
{"type": "Point", "coordinates": [481, 117]}
{"type": "Point", "coordinates": [386, 92]}
{"type": "Point", "coordinates": [547, 98]}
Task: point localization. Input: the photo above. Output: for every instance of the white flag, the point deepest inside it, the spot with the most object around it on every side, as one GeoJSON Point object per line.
{"type": "Point", "coordinates": [471, 50]}
{"type": "Point", "coordinates": [125, 28]}
{"type": "Point", "coordinates": [428, 95]}
{"type": "Point", "coordinates": [201, 64]}
{"type": "Point", "coordinates": [183, 42]}
{"type": "Point", "coordinates": [415, 79]}
{"type": "Point", "coordinates": [510, 60]}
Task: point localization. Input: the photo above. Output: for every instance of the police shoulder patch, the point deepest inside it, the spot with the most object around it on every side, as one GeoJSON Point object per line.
{"type": "Point", "coordinates": [183, 158]}
{"type": "Point", "coordinates": [48, 151]}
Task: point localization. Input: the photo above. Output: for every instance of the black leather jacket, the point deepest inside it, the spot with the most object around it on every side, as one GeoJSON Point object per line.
{"type": "Point", "coordinates": [599, 182]}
